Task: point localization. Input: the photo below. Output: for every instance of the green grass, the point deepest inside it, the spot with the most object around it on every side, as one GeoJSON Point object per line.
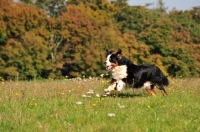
{"type": "Point", "coordinates": [52, 106]}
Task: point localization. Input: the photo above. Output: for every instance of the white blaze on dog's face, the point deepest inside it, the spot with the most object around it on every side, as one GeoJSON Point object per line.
{"type": "Point", "coordinates": [107, 62]}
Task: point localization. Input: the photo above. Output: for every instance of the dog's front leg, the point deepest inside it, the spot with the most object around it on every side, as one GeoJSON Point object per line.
{"type": "Point", "coordinates": [111, 87]}
{"type": "Point", "coordinates": [120, 85]}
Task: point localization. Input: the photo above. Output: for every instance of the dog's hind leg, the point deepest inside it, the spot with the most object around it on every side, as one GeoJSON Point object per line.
{"type": "Point", "coordinates": [151, 91]}
{"type": "Point", "coordinates": [162, 89]}
{"type": "Point", "coordinates": [149, 88]}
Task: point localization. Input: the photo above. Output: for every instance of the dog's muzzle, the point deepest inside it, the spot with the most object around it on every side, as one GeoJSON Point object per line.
{"type": "Point", "coordinates": [109, 68]}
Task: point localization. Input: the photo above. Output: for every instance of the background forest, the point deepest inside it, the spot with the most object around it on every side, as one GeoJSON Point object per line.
{"type": "Point", "coordinates": [54, 39]}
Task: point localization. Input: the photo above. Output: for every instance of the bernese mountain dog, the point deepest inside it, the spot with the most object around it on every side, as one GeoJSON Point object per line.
{"type": "Point", "coordinates": [124, 72]}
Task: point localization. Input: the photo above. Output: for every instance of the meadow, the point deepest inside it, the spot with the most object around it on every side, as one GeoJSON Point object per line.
{"type": "Point", "coordinates": [79, 105]}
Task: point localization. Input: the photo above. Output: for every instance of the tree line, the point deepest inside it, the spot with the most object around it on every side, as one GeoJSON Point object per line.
{"type": "Point", "coordinates": [54, 39]}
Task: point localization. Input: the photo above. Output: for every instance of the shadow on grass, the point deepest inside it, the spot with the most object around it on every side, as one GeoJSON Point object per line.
{"type": "Point", "coordinates": [130, 95]}
{"type": "Point", "coordinates": [127, 95]}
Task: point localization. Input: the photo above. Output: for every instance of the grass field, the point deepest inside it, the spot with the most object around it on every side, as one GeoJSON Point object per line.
{"type": "Point", "coordinates": [79, 106]}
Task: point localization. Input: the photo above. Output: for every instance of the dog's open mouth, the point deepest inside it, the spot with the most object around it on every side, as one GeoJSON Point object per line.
{"type": "Point", "coordinates": [109, 68]}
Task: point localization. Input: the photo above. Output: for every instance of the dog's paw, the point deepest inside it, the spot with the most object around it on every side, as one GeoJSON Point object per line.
{"type": "Point", "coordinates": [107, 91]}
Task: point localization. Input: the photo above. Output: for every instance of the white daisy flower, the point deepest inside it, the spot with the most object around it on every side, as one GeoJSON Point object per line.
{"type": "Point", "coordinates": [98, 95]}
{"type": "Point", "coordinates": [90, 91]}
{"type": "Point", "coordinates": [102, 75]}
{"type": "Point", "coordinates": [111, 114]}
{"type": "Point", "coordinates": [79, 103]}
{"type": "Point", "coordinates": [86, 96]}
{"type": "Point", "coordinates": [121, 106]}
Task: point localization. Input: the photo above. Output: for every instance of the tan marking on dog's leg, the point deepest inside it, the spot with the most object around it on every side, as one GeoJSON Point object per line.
{"type": "Point", "coordinates": [110, 88]}
{"type": "Point", "coordinates": [162, 90]}
{"type": "Point", "coordinates": [151, 91]}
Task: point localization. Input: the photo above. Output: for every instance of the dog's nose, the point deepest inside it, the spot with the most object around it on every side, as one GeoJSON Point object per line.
{"type": "Point", "coordinates": [104, 63]}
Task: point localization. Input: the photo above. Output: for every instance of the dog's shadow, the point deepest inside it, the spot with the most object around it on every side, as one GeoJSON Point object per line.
{"type": "Point", "coordinates": [128, 94]}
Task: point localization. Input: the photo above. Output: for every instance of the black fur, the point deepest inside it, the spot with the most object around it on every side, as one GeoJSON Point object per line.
{"type": "Point", "coordinates": [139, 74]}
{"type": "Point", "coordinates": [144, 73]}
{"type": "Point", "coordinates": [123, 60]}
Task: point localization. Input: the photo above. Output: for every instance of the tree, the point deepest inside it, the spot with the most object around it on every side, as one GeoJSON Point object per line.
{"type": "Point", "coordinates": [89, 34]}
{"type": "Point", "coordinates": [38, 52]}
{"type": "Point", "coordinates": [48, 39]}
{"type": "Point", "coordinates": [161, 6]}
{"type": "Point", "coordinates": [51, 7]}
{"type": "Point", "coordinates": [25, 53]}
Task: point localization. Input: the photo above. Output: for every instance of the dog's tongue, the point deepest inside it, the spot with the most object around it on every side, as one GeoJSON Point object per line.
{"type": "Point", "coordinates": [109, 68]}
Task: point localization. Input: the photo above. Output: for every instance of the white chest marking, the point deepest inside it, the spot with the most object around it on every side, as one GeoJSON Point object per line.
{"type": "Point", "coordinates": [119, 72]}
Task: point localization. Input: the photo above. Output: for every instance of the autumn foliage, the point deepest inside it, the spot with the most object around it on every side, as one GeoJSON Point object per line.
{"type": "Point", "coordinates": [72, 42]}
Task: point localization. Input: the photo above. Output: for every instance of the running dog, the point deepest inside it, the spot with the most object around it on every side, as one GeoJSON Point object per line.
{"type": "Point", "coordinates": [137, 76]}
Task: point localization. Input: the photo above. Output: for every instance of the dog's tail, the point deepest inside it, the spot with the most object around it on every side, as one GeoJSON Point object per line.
{"type": "Point", "coordinates": [165, 81]}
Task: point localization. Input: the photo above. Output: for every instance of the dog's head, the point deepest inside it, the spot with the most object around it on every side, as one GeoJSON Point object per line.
{"type": "Point", "coordinates": [112, 59]}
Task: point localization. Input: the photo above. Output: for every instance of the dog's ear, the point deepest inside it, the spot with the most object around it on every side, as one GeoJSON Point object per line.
{"type": "Point", "coordinates": [108, 52]}
{"type": "Point", "coordinates": [118, 52]}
